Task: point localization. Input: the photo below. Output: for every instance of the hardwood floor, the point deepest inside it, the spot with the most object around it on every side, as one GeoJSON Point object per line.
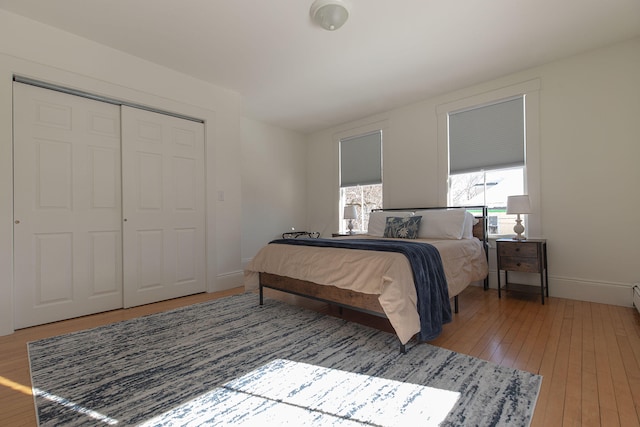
{"type": "Point", "coordinates": [587, 353]}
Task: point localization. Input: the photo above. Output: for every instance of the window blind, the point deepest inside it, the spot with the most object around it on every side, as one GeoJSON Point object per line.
{"type": "Point", "coordinates": [487, 137]}
{"type": "Point", "coordinates": [361, 160]}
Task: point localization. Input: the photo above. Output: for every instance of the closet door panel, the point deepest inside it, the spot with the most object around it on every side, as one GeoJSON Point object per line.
{"type": "Point", "coordinates": [163, 207]}
{"type": "Point", "coordinates": [67, 207]}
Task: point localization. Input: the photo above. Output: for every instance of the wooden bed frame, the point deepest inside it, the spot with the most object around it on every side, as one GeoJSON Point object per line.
{"type": "Point", "coordinates": [366, 303]}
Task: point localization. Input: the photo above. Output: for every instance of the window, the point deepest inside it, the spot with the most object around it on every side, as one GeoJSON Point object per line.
{"type": "Point", "coordinates": [490, 188]}
{"type": "Point", "coordinates": [360, 176]}
{"type": "Point", "coordinates": [487, 158]}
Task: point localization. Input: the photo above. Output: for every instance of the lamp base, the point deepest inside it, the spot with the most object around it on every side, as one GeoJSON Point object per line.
{"type": "Point", "coordinates": [350, 227]}
{"type": "Point", "coordinates": [519, 229]}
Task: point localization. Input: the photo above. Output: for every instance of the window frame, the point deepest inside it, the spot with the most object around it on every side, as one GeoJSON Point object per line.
{"type": "Point", "coordinates": [359, 223]}
{"type": "Point", "coordinates": [493, 211]}
{"type": "Point", "coordinates": [377, 126]}
{"type": "Point", "coordinates": [530, 89]}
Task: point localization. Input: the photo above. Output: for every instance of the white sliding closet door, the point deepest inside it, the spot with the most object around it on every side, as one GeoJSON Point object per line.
{"type": "Point", "coordinates": [67, 207]}
{"type": "Point", "coordinates": [163, 207]}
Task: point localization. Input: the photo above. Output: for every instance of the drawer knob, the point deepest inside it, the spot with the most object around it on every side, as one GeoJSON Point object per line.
{"type": "Point", "coordinates": [517, 249]}
{"type": "Point", "coordinates": [518, 264]}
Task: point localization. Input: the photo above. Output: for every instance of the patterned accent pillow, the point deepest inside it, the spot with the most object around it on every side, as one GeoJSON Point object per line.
{"type": "Point", "coordinates": [402, 227]}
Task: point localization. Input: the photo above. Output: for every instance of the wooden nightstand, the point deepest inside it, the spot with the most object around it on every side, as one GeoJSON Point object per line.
{"type": "Point", "coordinates": [526, 256]}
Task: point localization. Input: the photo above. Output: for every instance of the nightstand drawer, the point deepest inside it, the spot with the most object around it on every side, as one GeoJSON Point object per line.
{"type": "Point", "coordinates": [518, 250]}
{"type": "Point", "coordinates": [525, 264]}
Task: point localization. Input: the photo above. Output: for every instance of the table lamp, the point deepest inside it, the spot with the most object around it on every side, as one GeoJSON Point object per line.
{"type": "Point", "coordinates": [350, 213]}
{"type": "Point", "coordinates": [518, 205]}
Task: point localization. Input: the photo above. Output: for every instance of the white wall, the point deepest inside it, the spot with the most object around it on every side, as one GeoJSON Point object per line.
{"type": "Point", "coordinates": [30, 49]}
{"type": "Point", "coordinates": [274, 184]}
{"type": "Point", "coordinates": [589, 133]}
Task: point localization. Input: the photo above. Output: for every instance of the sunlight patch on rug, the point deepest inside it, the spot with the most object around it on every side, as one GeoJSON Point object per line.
{"type": "Point", "coordinates": [285, 391]}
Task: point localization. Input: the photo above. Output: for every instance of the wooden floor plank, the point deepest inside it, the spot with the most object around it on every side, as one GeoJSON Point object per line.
{"type": "Point", "coordinates": [573, 388]}
{"type": "Point", "coordinates": [622, 391]}
{"type": "Point", "coordinates": [529, 344]}
{"type": "Point", "coordinates": [475, 336]}
{"type": "Point", "coordinates": [515, 343]}
{"type": "Point", "coordinates": [629, 344]}
{"type": "Point", "coordinates": [590, 405]}
{"type": "Point", "coordinates": [606, 393]}
{"type": "Point", "coordinates": [537, 354]}
{"type": "Point", "coordinates": [559, 371]}
{"type": "Point", "coordinates": [474, 319]}
{"type": "Point", "coordinates": [491, 343]}
{"type": "Point", "coordinates": [549, 350]}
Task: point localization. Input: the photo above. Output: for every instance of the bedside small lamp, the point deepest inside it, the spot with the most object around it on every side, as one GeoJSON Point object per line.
{"type": "Point", "coordinates": [350, 213]}
{"type": "Point", "coordinates": [518, 205]}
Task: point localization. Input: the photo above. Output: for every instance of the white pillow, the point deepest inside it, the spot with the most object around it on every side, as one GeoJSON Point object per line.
{"type": "Point", "coordinates": [469, 222]}
{"type": "Point", "coordinates": [378, 221]}
{"type": "Point", "coordinates": [441, 223]}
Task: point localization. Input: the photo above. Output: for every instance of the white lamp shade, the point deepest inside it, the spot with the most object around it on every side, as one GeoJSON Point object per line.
{"type": "Point", "coordinates": [329, 14]}
{"type": "Point", "coordinates": [518, 205]}
{"type": "Point", "coordinates": [350, 212]}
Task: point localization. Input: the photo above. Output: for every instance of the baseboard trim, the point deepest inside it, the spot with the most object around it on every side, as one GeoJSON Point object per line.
{"type": "Point", "coordinates": [591, 290]}
{"type": "Point", "coordinates": [226, 281]}
{"type": "Point", "coordinates": [574, 288]}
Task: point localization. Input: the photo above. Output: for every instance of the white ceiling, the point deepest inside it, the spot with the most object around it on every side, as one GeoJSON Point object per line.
{"type": "Point", "coordinates": [390, 53]}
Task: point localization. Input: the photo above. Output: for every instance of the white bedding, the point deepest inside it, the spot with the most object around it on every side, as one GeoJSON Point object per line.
{"type": "Point", "coordinates": [387, 274]}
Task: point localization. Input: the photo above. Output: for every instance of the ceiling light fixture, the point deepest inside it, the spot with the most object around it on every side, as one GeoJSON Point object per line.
{"type": "Point", "coordinates": [329, 14]}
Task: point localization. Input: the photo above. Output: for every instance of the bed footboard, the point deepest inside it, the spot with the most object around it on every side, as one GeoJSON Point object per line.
{"type": "Point", "coordinates": [344, 298]}
{"type": "Point", "coordinates": [367, 303]}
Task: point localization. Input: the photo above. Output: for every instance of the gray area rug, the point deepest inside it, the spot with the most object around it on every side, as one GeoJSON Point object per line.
{"type": "Point", "coordinates": [233, 362]}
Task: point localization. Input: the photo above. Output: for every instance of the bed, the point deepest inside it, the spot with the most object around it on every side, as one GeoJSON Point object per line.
{"type": "Point", "coordinates": [381, 282]}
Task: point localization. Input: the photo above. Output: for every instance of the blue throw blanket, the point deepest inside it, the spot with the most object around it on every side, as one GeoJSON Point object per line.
{"type": "Point", "coordinates": [428, 275]}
